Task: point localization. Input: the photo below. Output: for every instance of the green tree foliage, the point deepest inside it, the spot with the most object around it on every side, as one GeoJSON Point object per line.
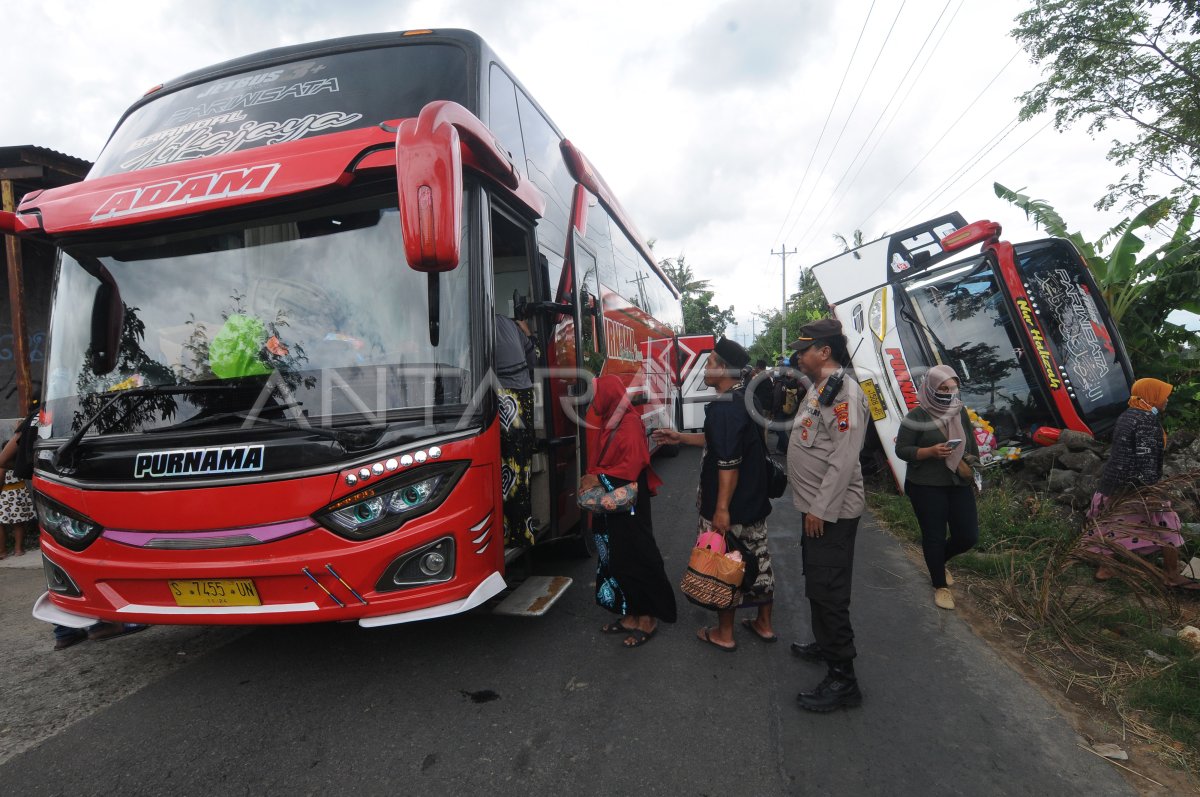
{"type": "Point", "coordinates": [853, 242]}
{"type": "Point", "coordinates": [700, 315]}
{"type": "Point", "coordinates": [1141, 291]}
{"type": "Point", "coordinates": [1109, 61]}
{"type": "Point", "coordinates": [806, 304]}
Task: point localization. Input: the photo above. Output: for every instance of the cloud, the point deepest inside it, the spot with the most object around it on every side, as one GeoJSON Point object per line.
{"type": "Point", "coordinates": [746, 43]}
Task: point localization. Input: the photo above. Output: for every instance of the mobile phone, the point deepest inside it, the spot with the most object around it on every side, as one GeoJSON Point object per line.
{"type": "Point", "coordinates": [955, 443]}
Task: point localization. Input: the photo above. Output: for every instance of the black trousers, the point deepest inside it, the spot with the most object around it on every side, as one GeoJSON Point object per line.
{"type": "Point", "coordinates": [828, 568]}
{"type": "Point", "coordinates": [939, 509]}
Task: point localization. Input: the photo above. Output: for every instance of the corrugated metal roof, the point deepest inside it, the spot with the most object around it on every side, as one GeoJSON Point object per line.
{"type": "Point", "coordinates": [33, 155]}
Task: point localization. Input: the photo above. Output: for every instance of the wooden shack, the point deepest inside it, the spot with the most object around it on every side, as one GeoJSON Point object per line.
{"type": "Point", "coordinates": [28, 275]}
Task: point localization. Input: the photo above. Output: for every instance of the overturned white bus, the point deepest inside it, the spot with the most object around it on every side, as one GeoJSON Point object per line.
{"type": "Point", "coordinates": [1022, 324]}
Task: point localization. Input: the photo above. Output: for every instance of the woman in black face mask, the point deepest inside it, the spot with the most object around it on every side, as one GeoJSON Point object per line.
{"type": "Point", "coordinates": [938, 443]}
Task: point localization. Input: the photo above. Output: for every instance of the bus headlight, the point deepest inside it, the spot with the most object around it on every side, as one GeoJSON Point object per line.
{"type": "Point", "coordinates": [68, 528]}
{"type": "Point", "coordinates": [877, 315]}
{"type": "Point", "coordinates": [386, 506]}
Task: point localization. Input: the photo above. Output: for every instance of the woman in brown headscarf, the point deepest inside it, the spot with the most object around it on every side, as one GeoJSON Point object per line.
{"type": "Point", "coordinates": [937, 442]}
{"type": "Point", "coordinates": [1122, 517]}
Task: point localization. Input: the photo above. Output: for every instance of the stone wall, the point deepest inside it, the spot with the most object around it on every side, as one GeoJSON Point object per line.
{"type": "Point", "coordinates": [1070, 469]}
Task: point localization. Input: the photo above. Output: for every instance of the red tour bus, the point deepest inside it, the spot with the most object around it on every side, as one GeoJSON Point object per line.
{"type": "Point", "coordinates": [267, 390]}
{"type": "Point", "coordinates": [1022, 324]}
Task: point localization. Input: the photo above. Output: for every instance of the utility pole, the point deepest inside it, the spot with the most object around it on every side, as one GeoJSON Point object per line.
{"type": "Point", "coordinates": [783, 253]}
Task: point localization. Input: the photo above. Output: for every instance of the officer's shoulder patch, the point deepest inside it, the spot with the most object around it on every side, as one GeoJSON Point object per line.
{"type": "Point", "coordinates": [842, 413]}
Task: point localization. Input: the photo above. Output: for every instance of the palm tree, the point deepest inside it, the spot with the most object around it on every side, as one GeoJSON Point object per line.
{"type": "Point", "coordinates": [681, 275]}
{"type": "Point", "coordinates": [847, 245]}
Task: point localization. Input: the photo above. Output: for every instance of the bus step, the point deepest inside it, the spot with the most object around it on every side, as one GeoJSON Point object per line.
{"type": "Point", "coordinates": [534, 597]}
{"type": "Point", "coordinates": [514, 552]}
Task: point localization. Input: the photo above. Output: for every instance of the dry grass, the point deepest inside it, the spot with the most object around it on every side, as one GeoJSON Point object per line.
{"type": "Point", "coordinates": [1035, 580]}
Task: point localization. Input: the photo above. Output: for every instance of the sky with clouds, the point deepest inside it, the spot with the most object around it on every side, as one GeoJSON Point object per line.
{"type": "Point", "coordinates": [728, 129]}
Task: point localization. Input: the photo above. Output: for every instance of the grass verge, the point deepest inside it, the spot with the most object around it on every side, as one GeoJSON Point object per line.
{"type": "Point", "coordinates": [1111, 640]}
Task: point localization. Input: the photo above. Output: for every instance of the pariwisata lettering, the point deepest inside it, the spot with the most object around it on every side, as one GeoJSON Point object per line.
{"type": "Point", "coordinates": [195, 461]}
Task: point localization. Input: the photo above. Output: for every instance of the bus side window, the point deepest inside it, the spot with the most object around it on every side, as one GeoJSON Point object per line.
{"type": "Point", "coordinates": [547, 170]}
{"type": "Point", "coordinates": [503, 119]}
{"type": "Point", "coordinates": [599, 239]}
{"type": "Point", "coordinates": [511, 263]}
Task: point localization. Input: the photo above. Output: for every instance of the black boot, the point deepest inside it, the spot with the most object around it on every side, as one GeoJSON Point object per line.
{"type": "Point", "coordinates": [839, 689]}
{"type": "Point", "coordinates": [809, 651]}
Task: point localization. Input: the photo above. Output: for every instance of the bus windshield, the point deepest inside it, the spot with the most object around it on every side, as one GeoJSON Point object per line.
{"type": "Point", "coordinates": [286, 102]}
{"type": "Point", "coordinates": [319, 307]}
{"type": "Point", "coordinates": [963, 318]}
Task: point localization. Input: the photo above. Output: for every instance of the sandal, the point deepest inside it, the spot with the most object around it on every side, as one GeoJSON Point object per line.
{"type": "Point", "coordinates": [747, 623]}
{"type": "Point", "coordinates": [704, 637]}
{"type": "Point", "coordinates": [639, 637]}
{"type": "Point", "coordinates": [616, 627]}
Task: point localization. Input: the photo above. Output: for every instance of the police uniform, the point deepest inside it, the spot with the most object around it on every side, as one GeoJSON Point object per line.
{"type": "Point", "coordinates": [827, 482]}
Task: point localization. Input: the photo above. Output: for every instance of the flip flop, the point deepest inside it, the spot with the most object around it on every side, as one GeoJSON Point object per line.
{"type": "Point", "coordinates": [639, 637]}
{"type": "Point", "coordinates": [615, 627]}
{"type": "Point", "coordinates": [706, 638]}
{"type": "Point", "coordinates": [749, 624]}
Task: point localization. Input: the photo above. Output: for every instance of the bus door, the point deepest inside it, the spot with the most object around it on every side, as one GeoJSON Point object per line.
{"type": "Point", "coordinates": [589, 333]}
{"type": "Point", "coordinates": [514, 281]}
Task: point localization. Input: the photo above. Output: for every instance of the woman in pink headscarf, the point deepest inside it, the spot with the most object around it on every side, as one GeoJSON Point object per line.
{"type": "Point", "coordinates": [1123, 516]}
{"type": "Point", "coordinates": [937, 442]}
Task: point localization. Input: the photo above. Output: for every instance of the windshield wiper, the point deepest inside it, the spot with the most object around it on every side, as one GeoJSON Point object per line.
{"type": "Point", "coordinates": [250, 419]}
{"type": "Point", "coordinates": [141, 394]}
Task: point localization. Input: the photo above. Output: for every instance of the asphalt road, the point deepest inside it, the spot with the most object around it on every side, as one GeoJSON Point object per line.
{"type": "Point", "coordinates": [498, 705]}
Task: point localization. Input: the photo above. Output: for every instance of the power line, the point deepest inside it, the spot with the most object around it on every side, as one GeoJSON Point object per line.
{"type": "Point", "coordinates": [805, 236]}
{"type": "Point", "coordinates": [828, 116]}
{"type": "Point", "coordinates": [971, 162]}
{"type": "Point", "coordinates": [996, 165]}
{"type": "Point", "coordinates": [929, 152]}
{"type": "Point", "coordinates": [916, 81]}
{"type": "Point", "coordinates": [849, 116]}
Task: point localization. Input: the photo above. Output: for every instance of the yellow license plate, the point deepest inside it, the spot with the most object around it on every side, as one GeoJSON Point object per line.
{"type": "Point", "coordinates": [215, 592]}
{"type": "Point", "coordinates": [878, 411]}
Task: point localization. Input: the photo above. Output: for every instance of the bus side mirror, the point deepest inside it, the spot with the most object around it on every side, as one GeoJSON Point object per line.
{"type": "Point", "coordinates": [108, 320]}
{"type": "Point", "coordinates": [429, 181]}
{"type": "Point", "coordinates": [973, 233]}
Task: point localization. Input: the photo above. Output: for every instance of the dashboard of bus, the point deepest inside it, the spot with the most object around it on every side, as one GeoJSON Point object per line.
{"type": "Point", "coordinates": [305, 318]}
{"type": "Point", "coordinates": [962, 316]}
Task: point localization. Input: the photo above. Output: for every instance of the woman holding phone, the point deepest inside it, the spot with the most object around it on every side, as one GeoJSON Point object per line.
{"type": "Point", "coordinates": [937, 441]}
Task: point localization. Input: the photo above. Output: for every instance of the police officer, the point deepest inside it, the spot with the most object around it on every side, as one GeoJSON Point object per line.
{"type": "Point", "coordinates": [827, 484]}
